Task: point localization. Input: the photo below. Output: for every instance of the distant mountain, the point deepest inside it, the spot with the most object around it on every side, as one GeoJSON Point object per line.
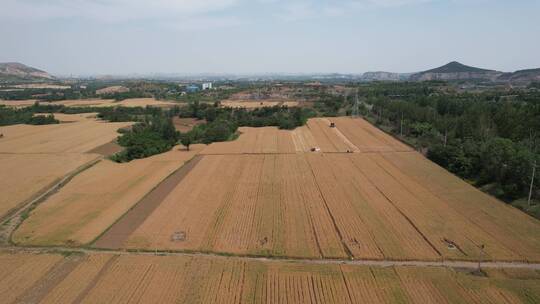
{"type": "Point", "coordinates": [14, 71]}
{"type": "Point", "coordinates": [456, 71]}
{"type": "Point", "coordinates": [521, 76]}
{"type": "Point", "coordinates": [381, 76]}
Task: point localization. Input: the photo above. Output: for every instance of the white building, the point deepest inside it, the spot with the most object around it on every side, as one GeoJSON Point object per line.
{"type": "Point", "coordinates": [207, 86]}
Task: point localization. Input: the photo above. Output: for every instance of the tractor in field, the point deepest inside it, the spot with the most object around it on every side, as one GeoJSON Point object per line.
{"type": "Point", "coordinates": [332, 125]}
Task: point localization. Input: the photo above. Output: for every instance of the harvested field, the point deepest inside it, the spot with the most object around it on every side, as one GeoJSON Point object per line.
{"type": "Point", "coordinates": [78, 137]}
{"type": "Point", "coordinates": [253, 104]}
{"type": "Point", "coordinates": [262, 195]}
{"type": "Point", "coordinates": [169, 279]}
{"type": "Point", "coordinates": [96, 198]}
{"type": "Point", "coordinates": [226, 214]}
{"type": "Point", "coordinates": [66, 118]}
{"type": "Point", "coordinates": [107, 149]}
{"type": "Point", "coordinates": [255, 141]}
{"type": "Point", "coordinates": [33, 158]}
{"type": "Point", "coordinates": [245, 199]}
{"type": "Point", "coordinates": [112, 90]}
{"type": "Point", "coordinates": [17, 103]}
{"type": "Point", "coordinates": [21, 273]}
{"type": "Point", "coordinates": [134, 102]}
{"type": "Point", "coordinates": [352, 135]}
{"type": "Point", "coordinates": [140, 102]}
{"type": "Point", "coordinates": [69, 102]}
{"type": "Point", "coordinates": [367, 138]}
{"type": "Point", "coordinates": [22, 176]}
{"type": "Point", "coordinates": [122, 229]}
{"type": "Point", "coordinates": [42, 86]}
{"type": "Point", "coordinates": [63, 118]}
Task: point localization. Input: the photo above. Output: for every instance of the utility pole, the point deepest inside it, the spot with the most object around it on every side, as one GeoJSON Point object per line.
{"type": "Point", "coordinates": [482, 246]}
{"type": "Point", "coordinates": [532, 182]}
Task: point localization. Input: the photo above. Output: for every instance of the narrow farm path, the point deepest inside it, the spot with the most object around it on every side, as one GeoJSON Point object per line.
{"type": "Point", "coordinates": [12, 220]}
{"type": "Point", "coordinates": [357, 262]}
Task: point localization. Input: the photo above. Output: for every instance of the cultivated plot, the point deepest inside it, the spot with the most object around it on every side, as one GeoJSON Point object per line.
{"type": "Point", "coordinates": [169, 279]}
{"type": "Point", "coordinates": [253, 104]}
{"type": "Point", "coordinates": [96, 198]}
{"type": "Point", "coordinates": [261, 196]}
{"type": "Point", "coordinates": [23, 176]}
{"type": "Point", "coordinates": [34, 158]}
{"type": "Point", "coordinates": [348, 135]}
{"type": "Point", "coordinates": [255, 141]}
{"type": "Point", "coordinates": [97, 102]}
{"type": "Point", "coordinates": [76, 137]}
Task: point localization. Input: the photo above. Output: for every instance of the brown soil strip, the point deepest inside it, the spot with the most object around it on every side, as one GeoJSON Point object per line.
{"type": "Point", "coordinates": [45, 285]}
{"type": "Point", "coordinates": [94, 281]}
{"type": "Point", "coordinates": [107, 149]}
{"type": "Point", "coordinates": [186, 124]}
{"type": "Point", "coordinates": [119, 232]}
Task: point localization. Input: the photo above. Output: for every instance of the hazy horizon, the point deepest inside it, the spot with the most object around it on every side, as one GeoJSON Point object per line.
{"type": "Point", "coordinates": [120, 37]}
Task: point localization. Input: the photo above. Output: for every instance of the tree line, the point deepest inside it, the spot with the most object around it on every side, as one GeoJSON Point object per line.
{"type": "Point", "coordinates": [491, 139]}
{"type": "Point", "coordinates": [222, 123]}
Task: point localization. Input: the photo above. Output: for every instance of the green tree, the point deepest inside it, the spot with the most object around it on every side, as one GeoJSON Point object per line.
{"type": "Point", "coordinates": [186, 139]}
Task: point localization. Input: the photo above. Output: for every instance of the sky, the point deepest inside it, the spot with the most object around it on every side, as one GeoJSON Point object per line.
{"type": "Point", "coordinates": [118, 37]}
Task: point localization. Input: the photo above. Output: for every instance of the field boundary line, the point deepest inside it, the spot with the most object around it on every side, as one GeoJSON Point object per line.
{"type": "Point", "coordinates": [468, 264]}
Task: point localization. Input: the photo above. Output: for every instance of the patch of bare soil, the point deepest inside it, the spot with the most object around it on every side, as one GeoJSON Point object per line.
{"type": "Point", "coordinates": [107, 149]}
{"type": "Point", "coordinates": [119, 232]}
{"type": "Point", "coordinates": [186, 124]}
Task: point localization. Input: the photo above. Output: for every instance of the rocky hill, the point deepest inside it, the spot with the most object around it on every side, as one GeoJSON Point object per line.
{"type": "Point", "coordinates": [381, 76]}
{"type": "Point", "coordinates": [14, 71]}
{"type": "Point", "coordinates": [521, 76]}
{"type": "Point", "coordinates": [456, 71]}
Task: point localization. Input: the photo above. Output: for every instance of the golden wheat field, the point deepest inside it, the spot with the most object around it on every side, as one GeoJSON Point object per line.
{"type": "Point", "coordinates": [78, 137]}
{"type": "Point", "coordinates": [253, 103]}
{"type": "Point", "coordinates": [96, 198]}
{"type": "Point", "coordinates": [33, 158]}
{"type": "Point", "coordinates": [107, 278]}
{"type": "Point", "coordinates": [96, 102]}
{"type": "Point", "coordinates": [24, 175]}
{"type": "Point", "coordinates": [17, 103]}
{"type": "Point", "coordinates": [319, 204]}
{"type": "Point", "coordinates": [264, 194]}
